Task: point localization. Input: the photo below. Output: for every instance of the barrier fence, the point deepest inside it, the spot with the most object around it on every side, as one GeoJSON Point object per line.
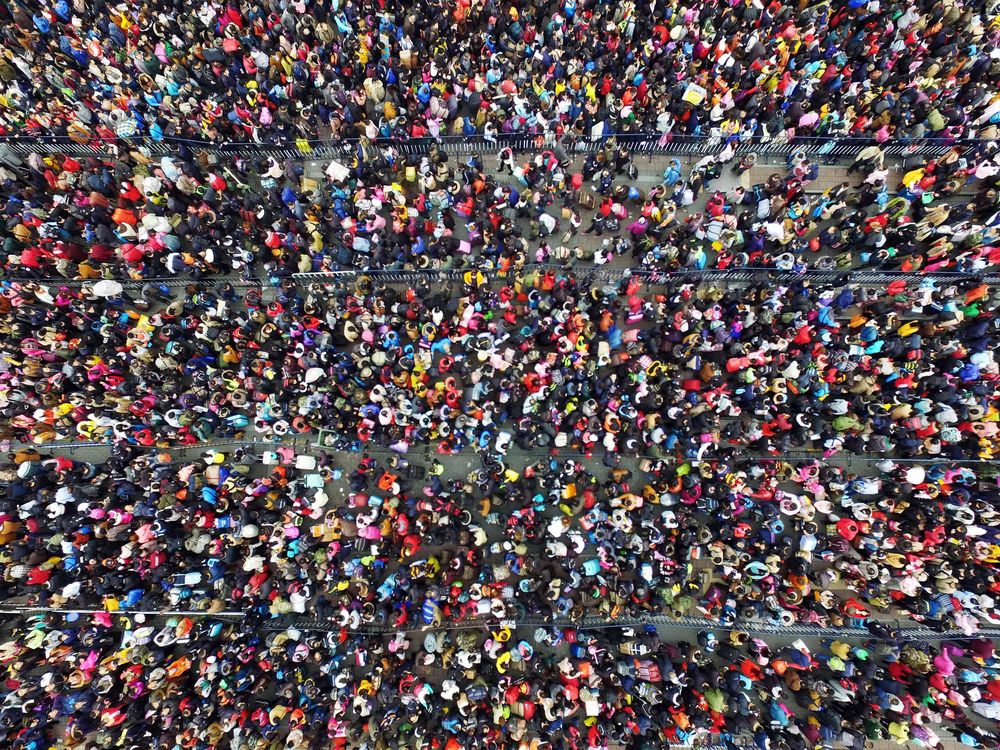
{"type": "Point", "coordinates": [591, 274]}
{"type": "Point", "coordinates": [903, 632]}
{"type": "Point", "coordinates": [314, 441]}
{"type": "Point", "coordinates": [653, 144]}
{"type": "Point", "coordinates": [747, 274]}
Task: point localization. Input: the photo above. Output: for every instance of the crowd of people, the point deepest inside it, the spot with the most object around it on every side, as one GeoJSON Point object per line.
{"type": "Point", "coordinates": [103, 74]}
{"type": "Point", "coordinates": [264, 70]}
{"type": "Point", "coordinates": [211, 683]}
{"type": "Point", "coordinates": [735, 541]}
{"type": "Point", "coordinates": [545, 360]}
{"type": "Point", "coordinates": [195, 214]}
{"type": "Point", "coordinates": [783, 453]}
{"type": "Point", "coordinates": [740, 543]}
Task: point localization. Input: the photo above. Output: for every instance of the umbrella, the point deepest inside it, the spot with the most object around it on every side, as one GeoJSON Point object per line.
{"type": "Point", "coordinates": [107, 288]}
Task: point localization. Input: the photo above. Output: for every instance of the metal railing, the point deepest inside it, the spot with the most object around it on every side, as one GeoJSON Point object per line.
{"type": "Point", "coordinates": [246, 442]}
{"type": "Point", "coordinates": [313, 440]}
{"type": "Point", "coordinates": [31, 610]}
{"type": "Point", "coordinates": [653, 144]}
{"type": "Point", "coordinates": [743, 274]}
{"type": "Point", "coordinates": [906, 632]}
